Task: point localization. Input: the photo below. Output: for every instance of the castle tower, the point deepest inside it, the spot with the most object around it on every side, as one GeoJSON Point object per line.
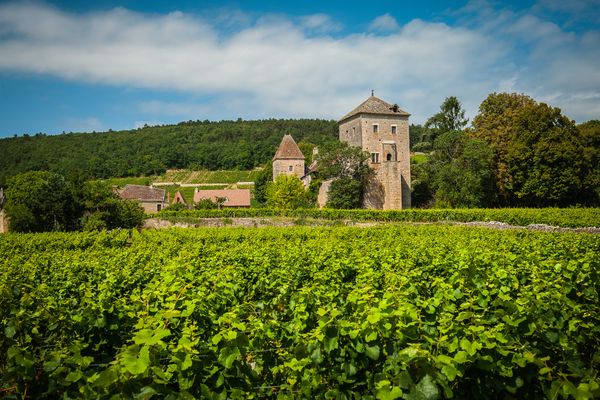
{"type": "Point", "coordinates": [381, 129]}
{"type": "Point", "coordinates": [288, 160]}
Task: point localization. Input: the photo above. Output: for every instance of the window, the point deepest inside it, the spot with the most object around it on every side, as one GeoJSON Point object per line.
{"type": "Point", "coordinates": [375, 128]}
{"type": "Point", "coordinates": [291, 168]}
{"type": "Point", "coordinates": [354, 130]}
{"type": "Point", "coordinates": [158, 207]}
{"type": "Point", "coordinates": [394, 127]}
{"type": "Point", "coordinates": [375, 158]}
{"type": "Point", "coordinates": [389, 157]}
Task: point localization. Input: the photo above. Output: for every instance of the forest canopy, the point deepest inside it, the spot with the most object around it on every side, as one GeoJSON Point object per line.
{"type": "Point", "coordinates": [151, 150]}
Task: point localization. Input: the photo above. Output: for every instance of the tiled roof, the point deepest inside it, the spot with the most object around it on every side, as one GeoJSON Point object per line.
{"type": "Point", "coordinates": [374, 105]}
{"type": "Point", "coordinates": [288, 149]}
{"type": "Point", "coordinates": [234, 197]}
{"type": "Point", "coordinates": [142, 193]}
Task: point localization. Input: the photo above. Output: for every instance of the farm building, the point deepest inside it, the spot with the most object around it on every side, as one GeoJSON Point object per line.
{"type": "Point", "coordinates": [151, 199]}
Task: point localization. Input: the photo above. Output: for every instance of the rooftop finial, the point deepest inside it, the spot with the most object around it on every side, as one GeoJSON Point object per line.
{"type": "Point", "coordinates": [372, 92]}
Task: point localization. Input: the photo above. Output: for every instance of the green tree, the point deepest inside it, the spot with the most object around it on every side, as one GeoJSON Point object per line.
{"type": "Point", "coordinates": [461, 171]}
{"type": "Point", "coordinates": [348, 168]}
{"type": "Point", "coordinates": [39, 201]}
{"type": "Point", "coordinates": [205, 204]}
{"type": "Point", "coordinates": [538, 151]}
{"type": "Point", "coordinates": [339, 160]}
{"type": "Point", "coordinates": [418, 134]}
{"type": "Point", "coordinates": [590, 140]}
{"type": "Point", "coordinates": [451, 117]}
{"type": "Point", "coordinates": [286, 192]}
{"type": "Point", "coordinates": [103, 209]}
{"type": "Point", "coordinates": [261, 182]}
{"type": "Point", "coordinates": [345, 193]}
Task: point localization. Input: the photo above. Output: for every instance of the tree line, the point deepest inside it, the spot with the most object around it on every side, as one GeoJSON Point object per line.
{"type": "Point", "coordinates": [517, 152]}
{"type": "Point", "coordinates": [42, 201]}
{"type": "Point", "coordinates": [151, 150]}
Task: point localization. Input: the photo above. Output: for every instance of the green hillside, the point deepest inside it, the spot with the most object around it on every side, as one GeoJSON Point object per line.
{"type": "Point", "coordinates": [224, 145]}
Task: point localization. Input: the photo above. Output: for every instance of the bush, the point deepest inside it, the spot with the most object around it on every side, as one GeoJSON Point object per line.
{"type": "Point", "coordinates": [345, 194]}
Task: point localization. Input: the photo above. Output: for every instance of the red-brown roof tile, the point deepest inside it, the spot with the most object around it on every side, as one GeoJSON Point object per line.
{"type": "Point", "coordinates": [288, 150]}
{"type": "Point", "coordinates": [234, 197]}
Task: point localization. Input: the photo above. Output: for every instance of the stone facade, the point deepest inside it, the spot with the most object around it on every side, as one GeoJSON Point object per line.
{"type": "Point", "coordinates": [381, 129]}
{"type": "Point", "coordinates": [288, 160]}
{"type": "Point", "coordinates": [288, 167]}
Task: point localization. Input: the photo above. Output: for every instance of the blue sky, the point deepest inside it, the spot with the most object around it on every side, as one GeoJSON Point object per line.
{"type": "Point", "coordinates": [85, 66]}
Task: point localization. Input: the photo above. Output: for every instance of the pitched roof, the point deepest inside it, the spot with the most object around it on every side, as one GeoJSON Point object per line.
{"type": "Point", "coordinates": [288, 149]}
{"type": "Point", "coordinates": [178, 198]}
{"type": "Point", "coordinates": [374, 105]}
{"type": "Point", "coordinates": [142, 193]}
{"type": "Point", "coordinates": [233, 197]}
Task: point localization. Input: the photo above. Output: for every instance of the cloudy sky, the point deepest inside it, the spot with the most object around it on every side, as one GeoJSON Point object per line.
{"type": "Point", "coordinates": [84, 65]}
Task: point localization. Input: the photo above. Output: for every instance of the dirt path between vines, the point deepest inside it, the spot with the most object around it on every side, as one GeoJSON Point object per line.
{"type": "Point", "coordinates": [157, 223]}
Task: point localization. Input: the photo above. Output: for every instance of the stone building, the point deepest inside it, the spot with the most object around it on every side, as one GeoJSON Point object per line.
{"type": "Point", "coordinates": [151, 199]}
{"type": "Point", "coordinates": [381, 129]}
{"type": "Point", "coordinates": [288, 159]}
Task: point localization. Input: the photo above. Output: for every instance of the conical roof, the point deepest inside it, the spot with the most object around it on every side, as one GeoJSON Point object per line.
{"type": "Point", "coordinates": [374, 105]}
{"type": "Point", "coordinates": [288, 150]}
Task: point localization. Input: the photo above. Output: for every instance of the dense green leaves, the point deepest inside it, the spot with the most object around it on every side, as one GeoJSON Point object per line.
{"type": "Point", "coordinates": [150, 150]}
{"type": "Point", "coordinates": [39, 201]}
{"type": "Point", "coordinates": [538, 151]}
{"type": "Point", "coordinates": [407, 312]}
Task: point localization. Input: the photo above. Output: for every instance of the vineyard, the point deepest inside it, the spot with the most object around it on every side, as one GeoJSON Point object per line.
{"type": "Point", "coordinates": [409, 312]}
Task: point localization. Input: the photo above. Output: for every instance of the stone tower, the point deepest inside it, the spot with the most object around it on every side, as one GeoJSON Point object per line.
{"type": "Point", "coordinates": [381, 129]}
{"type": "Point", "coordinates": [288, 160]}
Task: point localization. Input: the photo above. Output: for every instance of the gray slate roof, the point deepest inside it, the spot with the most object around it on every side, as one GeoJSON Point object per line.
{"type": "Point", "coordinates": [288, 150]}
{"type": "Point", "coordinates": [374, 105]}
{"type": "Point", "coordinates": [142, 193]}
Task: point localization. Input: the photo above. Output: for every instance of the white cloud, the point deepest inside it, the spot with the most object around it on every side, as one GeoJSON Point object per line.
{"type": "Point", "coordinates": [276, 66]}
{"type": "Point", "coordinates": [88, 124]}
{"type": "Point", "coordinates": [384, 23]}
{"type": "Point", "coordinates": [320, 23]}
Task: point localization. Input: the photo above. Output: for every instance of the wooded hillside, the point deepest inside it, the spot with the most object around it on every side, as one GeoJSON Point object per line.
{"type": "Point", "coordinates": [151, 150]}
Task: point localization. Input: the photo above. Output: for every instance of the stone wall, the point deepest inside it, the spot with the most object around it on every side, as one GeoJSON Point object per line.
{"type": "Point", "coordinates": [351, 132]}
{"type": "Point", "coordinates": [323, 195]}
{"type": "Point", "coordinates": [3, 222]}
{"type": "Point", "coordinates": [151, 207]}
{"type": "Point", "coordinates": [282, 167]}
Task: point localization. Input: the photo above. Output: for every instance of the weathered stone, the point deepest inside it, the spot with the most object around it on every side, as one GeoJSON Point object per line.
{"type": "Point", "coordinates": [381, 129]}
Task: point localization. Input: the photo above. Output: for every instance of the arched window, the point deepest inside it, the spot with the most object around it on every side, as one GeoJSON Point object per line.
{"type": "Point", "coordinates": [389, 157]}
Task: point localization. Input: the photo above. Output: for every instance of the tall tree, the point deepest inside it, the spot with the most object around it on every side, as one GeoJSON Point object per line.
{"type": "Point", "coordinates": [451, 117]}
{"type": "Point", "coordinates": [537, 150]}
{"type": "Point", "coordinates": [461, 171]}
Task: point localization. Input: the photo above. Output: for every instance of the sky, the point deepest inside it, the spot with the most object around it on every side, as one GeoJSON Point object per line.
{"type": "Point", "coordinates": [87, 66]}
